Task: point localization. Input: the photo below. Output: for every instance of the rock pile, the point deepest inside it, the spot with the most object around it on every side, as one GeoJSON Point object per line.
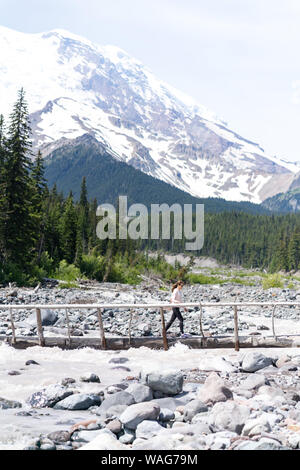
{"type": "Point", "coordinates": [254, 405]}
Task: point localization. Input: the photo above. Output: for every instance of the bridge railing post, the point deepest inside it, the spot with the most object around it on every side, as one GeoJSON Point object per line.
{"type": "Point", "coordinates": [40, 327]}
{"type": "Point", "coordinates": [164, 333]}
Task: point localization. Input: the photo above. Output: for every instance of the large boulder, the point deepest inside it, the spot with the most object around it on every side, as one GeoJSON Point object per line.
{"type": "Point", "coordinates": [229, 416]}
{"type": "Point", "coordinates": [49, 317]}
{"type": "Point", "coordinates": [254, 361]}
{"type": "Point", "coordinates": [214, 390]}
{"type": "Point", "coordinates": [118, 398]}
{"type": "Point", "coordinates": [192, 408]}
{"type": "Point", "coordinates": [140, 392]}
{"type": "Point", "coordinates": [138, 412]}
{"type": "Point", "coordinates": [49, 396]}
{"type": "Point", "coordinates": [168, 382]}
{"type": "Point", "coordinates": [78, 401]}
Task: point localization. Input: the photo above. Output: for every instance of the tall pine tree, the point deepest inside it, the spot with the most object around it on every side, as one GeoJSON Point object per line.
{"type": "Point", "coordinates": [19, 228]}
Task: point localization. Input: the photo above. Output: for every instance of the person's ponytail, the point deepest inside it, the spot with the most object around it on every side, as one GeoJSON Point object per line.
{"type": "Point", "coordinates": [178, 283]}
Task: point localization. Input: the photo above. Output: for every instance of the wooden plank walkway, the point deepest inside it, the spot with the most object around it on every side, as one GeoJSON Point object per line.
{"type": "Point", "coordinates": [153, 342]}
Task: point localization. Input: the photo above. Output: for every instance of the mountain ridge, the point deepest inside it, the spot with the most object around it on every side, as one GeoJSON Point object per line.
{"type": "Point", "coordinates": [107, 178]}
{"type": "Point", "coordinates": [76, 87]}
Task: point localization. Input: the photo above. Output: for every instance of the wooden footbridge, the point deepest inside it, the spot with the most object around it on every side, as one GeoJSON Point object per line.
{"type": "Point", "coordinates": [103, 341]}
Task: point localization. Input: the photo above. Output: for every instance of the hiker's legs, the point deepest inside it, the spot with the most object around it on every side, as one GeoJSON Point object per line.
{"type": "Point", "coordinates": [176, 314]}
{"type": "Point", "coordinates": [180, 318]}
{"type": "Point", "coordinates": [172, 319]}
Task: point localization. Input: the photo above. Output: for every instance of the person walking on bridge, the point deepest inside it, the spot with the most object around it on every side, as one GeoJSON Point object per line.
{"type": "Point", "coordinates": [176, 298]}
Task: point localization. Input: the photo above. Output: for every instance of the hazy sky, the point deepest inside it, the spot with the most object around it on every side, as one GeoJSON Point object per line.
{"type": "Point", "coordinates": [240, 58]}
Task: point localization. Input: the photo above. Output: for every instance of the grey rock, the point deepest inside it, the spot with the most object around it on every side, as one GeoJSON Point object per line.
{"type": "Point", "coordinates": [256, 426]}
{"type": "Point", "coordinates": [262, 444]}
{"type": "Point", "coordinates": [139, 412]}
{"type": "Point", "coordinates": [147, 429]}
{"type": "Point", "coordinates": [68, 381]}
{"type": "Point", "coordinates": [254, 361]}
{"type": "Point", "coordinates": [119, 398]}
{"type": "Point", "coordinates": [111, 389]}
{"type": "Point", "coordinates": [90, 378]}
{"type": "Point", "coordinates": [220, 440]}
{"type": "Point", "coordinates": [253, 381]}
{"type": "Point", "coordinates": [6, 404]}
{"type": "Point", "coordinates": [272, 392]}
{"type": "Point", "coordinates": [49, 318]}
{"type": "Point", "coordinates": [192, 408]}
{"type": "Point", "coordinates": [166, 415]}
{"type": "Point", "coordinates": [59, 436]}
{"type": "Point", "coordinates": [104, 440]}
{"type": "Point", "coordinates": [118, 360]}
{"type": "Point", "coordinates": [140, 392]}
{"type": "Point", "coordinates": [115, 426]}
{"type": "Point", "coordinates": [172, 402]}
{"type": "Point", "coordinates": [229, 416]}
{"type": "Point", "coordinates": [78, 401]}
{"type": "Point", "coordinates": [115, 411]}
{"type": "Point", "coordinates": [49, 396]}
{"type": "Point", "coordinates": [128, 437]}
{"type": "Point", "coordinates": [167, 382]}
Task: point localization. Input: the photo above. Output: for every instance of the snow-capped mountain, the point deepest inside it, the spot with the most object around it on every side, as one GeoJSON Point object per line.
{"type": "Point", "coordinates": [75, 87]}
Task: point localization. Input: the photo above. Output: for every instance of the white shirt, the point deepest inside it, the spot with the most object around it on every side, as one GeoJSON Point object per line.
{"type": "Point", "coordinates": [176, 296]}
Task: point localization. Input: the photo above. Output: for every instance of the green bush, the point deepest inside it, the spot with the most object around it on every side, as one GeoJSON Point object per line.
{"type": "Point", "coordinates": [12, 272]}
{"type": "Point", "coordinates": [124, 274]}
{"type": "Point", "coordinates": [291, 285]}
{"type": "Point", "coordinates": [93, 267]}
{"type": "Point", "coordinates": [46, 263]}
{"type": "Point", "coordinates": [272, 280]}
{"type": "Point", "coordinates": [67, 272]}
{"type": "Point", "coordinates": [194, 278]}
